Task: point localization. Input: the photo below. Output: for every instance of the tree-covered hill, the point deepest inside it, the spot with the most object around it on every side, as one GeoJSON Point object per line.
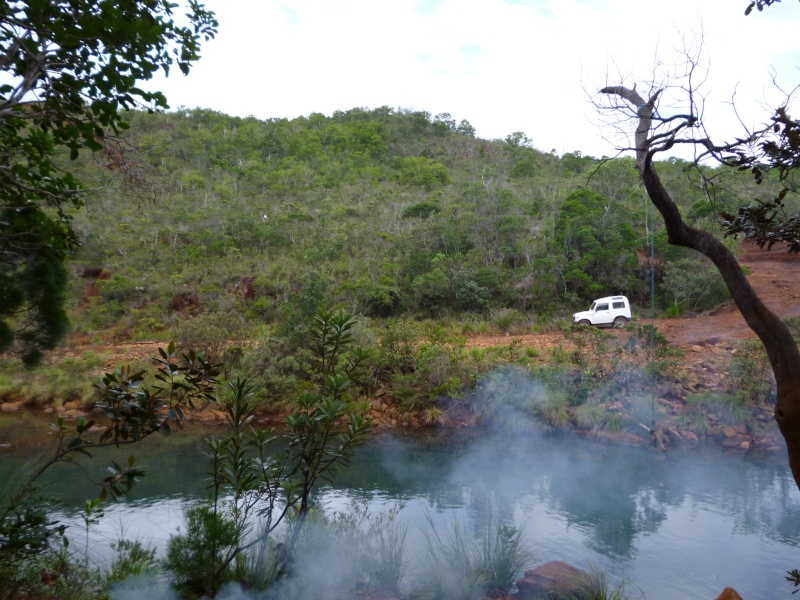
{"type": "Point", "coordinates": [385, 212]}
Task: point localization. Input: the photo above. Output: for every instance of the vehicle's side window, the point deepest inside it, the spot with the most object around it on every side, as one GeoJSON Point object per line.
{"type": "Point", "coordinates": [602, 307]}
{"type": "Point", "coordinates": [618, 305]}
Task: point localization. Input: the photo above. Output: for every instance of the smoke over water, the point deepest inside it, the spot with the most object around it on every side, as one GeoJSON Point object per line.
{"type": "Point", "coordinates": [684, 524]}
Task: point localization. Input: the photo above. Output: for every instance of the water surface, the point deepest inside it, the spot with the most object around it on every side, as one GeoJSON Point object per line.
{"type": "Point", "coordinates": [679, 525]}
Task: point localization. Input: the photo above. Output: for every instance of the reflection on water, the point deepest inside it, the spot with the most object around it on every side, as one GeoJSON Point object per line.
{"type": "Point", "coordinates": [677, 525]}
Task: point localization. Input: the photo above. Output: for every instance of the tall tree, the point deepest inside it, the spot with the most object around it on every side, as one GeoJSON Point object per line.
{"type": "Point", "coordinates": [655, 134]}
{"type": "Point", "coordinates": [69, 68]}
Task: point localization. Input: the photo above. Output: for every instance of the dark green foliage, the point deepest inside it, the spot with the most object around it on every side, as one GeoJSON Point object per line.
{"type": "Point", "coordinates": [381, 211]}
{"type": "Point", "coordinates": [468, 293]}
{"type": "Point", "coordinates": [376, 299]}
{"type": "Point", "coordinates": [133, 558]}
{"type": "Point", "coordinates": [89, 64]}
{"type": "Point", "coordinates": [299, 311]}
{"type": "Point", "coordinates": [432, 289]}
{"type": "Point", "coordinates": [249, 476]}
{"type": "Point", "coordinates": [422, 210]}
{"type": "Point", "coordinates": [600, 244]}
{"type": "Point", "coordinates": [423, 172]}
{"type": "Point", "coordinates": [133, 413]}
{"type": "Point", "coordinates": [279, 371]}
{"type": "Point", "coordinates": [44, 280]}
{"type": "Point", "coordinates": [331, 334]}
{"type": "Point", "coordinates": [793, 577]}
{"type": "Point", "coordinates": [693, 284]}
{"type": "Point", "coordinates": [760, 4]}
{"type": "Point", "coordinates": [193, 558]}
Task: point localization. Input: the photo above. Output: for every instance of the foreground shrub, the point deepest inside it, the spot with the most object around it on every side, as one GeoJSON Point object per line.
{"type": "Point", "coordinates": [341, 554]}
{"type": "Point", "coordinates": [251, 477]}
{"type": "Point", "coordinates": [196, 560]}
{"type": "Point", "coordinates": [592, 586]}
{"type": "Point", "coordinates": [753, 373]}
{"type": "Point", "coordinates": [459, 568]}
{"type": "Point", "coordinates": [595, 416]}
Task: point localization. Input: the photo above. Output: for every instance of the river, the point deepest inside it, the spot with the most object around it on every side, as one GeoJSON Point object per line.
{"type": "Point", "coordinates": [684, 524]}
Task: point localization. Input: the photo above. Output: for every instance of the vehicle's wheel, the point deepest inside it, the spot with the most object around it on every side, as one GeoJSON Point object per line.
{"type": "Point", "coordinates": [584, 323]}
{"type": "Point", "coordinates": [620, 323]}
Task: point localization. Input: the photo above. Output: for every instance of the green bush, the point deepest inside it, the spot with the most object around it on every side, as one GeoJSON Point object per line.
{"type": "Point", "coordinates": [422, 210]}
{"type": "Point", "coordinates": [432, 290]}
{"type": "Point", "coordinates": [397, 350]}
{"type": "Point", "coordinates": [213, 333]}
{"type": "Point", "coordinates": [133, 558]}
{"type": "Point", "coordinates": [456, 567]}
{"type": "Point", "coordinates": [507, 320]}
{"type": "Point", "coordinates": [595, 416]}
{"type": "Point", "coordinates": [68, 379]}
{"type": "Point", "coordinates": [753, 373]}
{"type": "Point", "coordinates": [279, 373]}
{"type": "Point", "coordinates": [729, 409]}
{"type": "Point", "coordinates": [422, 172]}
{"type": "Point", "coordinates": [196, 559]}
{"type": "Point", "coordinates": [554, 412]}
{"type": "Point", "coordinates": [693, 283]}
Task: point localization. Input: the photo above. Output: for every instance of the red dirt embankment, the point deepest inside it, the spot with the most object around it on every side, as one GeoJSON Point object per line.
{"type": "Point", "coordinates": [775, 275]}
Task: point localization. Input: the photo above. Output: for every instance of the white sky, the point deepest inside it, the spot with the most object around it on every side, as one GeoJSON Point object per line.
{"type": "Point", "coordinates": [504, 65]}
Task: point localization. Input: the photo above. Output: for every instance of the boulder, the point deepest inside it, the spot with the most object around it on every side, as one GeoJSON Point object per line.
{"type": "Point", "coordinates": [736, 442]}
{"type": "Point", "coordinates": [210, 415]}
{"type": "Point", "coordinates": [555, 576]}
{"type": "Point", "coordinates": [73, 413]}
{"type": "Point", "coordinates": [729, 594]}
{"type": "Point", "coordinates": [620, 437]}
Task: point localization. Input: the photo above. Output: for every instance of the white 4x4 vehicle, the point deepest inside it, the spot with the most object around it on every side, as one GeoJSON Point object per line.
{"type": "Point", "coordinates": [613, 311]}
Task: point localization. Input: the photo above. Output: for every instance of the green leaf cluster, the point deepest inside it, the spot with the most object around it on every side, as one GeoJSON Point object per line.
{"type": "Point", "coordinates": [69, 70]}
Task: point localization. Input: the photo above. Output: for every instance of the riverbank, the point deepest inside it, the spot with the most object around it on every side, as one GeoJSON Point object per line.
{"type": "Point", "coordinates": [709, 381]}
{"type": "Point", "coordinates": [693, 401]}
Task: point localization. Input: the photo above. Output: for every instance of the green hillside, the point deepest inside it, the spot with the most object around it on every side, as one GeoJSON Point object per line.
{"type": "Point", "coordinates": [229, 235]}
{"type": "Point", "coordinates": [384, 212]}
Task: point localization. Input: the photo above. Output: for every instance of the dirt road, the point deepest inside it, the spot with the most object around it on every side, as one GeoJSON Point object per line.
{"type": "Point", "coordinates": [774, 274]}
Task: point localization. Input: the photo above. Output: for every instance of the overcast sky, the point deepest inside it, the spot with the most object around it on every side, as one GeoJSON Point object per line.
{"type": "Point", "coordinates": [503, 65]}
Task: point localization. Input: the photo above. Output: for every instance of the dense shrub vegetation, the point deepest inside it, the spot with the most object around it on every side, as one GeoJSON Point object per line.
{"type": "Point", "coordinates": [384, 212]}
{"type": "Point", "coordinates": [322, 259]}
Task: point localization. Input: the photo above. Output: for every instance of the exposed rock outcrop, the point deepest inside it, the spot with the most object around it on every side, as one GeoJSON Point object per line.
{"type": "Point", "coordinates": [729, 594]}
{"type": "Point", "coordinates": [554, 576]}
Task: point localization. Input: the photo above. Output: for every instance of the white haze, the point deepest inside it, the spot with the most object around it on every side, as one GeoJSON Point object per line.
{"type": "Point", "coordinates": [714, 520]}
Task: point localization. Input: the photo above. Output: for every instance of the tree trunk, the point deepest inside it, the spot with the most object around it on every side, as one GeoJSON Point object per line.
{"type": "Point", "coordinates": [781, 348]}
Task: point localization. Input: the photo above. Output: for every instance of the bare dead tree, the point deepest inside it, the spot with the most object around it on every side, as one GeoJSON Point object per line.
{"type": "Point", "coordinates": [656, 132]}
{"type": "Point", "coordinates": [137, 179]}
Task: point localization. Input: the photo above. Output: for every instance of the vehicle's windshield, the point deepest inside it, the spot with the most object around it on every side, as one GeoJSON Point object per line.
{"type": "Point", "coordinates": [593, 305]}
